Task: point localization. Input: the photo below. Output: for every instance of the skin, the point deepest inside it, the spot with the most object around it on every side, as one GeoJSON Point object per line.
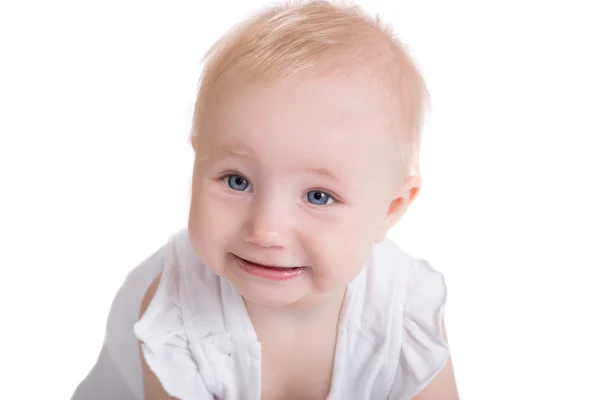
{"type": "Point", "coordinates": [297, 175]}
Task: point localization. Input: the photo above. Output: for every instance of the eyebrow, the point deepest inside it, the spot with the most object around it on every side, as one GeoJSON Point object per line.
{"type": "Point", "coordinates": [323, 172]}
{"type": "Point", "coordinates": [238, 150]}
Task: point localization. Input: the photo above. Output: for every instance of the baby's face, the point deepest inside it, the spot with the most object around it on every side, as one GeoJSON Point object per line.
{"type": "Point", "coordinates": [297, 176]}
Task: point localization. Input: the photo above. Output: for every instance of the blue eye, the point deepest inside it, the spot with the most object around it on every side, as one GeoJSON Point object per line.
{"type": "Point", "coordinates": [319, 198]}
{"type": "Point", "coordinates": [237, 182]}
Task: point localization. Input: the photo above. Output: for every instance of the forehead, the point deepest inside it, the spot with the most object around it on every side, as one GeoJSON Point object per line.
{"type": "Point", "coordinates": [323, 123]}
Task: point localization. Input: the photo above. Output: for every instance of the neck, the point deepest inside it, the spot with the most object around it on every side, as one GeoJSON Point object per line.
{"type": "Point", "coordinates": [309, 308]}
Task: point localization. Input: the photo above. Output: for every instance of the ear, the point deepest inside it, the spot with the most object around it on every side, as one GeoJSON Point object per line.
{"type": "Point", "coordinates": [402, 199]}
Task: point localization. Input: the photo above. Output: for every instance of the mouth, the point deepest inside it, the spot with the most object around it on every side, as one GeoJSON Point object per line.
{"type": "Point", "coordinates": [270, 272]}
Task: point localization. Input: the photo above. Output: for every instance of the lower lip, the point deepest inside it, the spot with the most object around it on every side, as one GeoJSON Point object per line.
{"type": "Point", "coordinates": [270, 273]}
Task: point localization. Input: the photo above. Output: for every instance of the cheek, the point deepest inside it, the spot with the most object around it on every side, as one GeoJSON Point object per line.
{"type": "Point", "coordinates": [198, 222]}
{"type": "Point", "coordinates": [211, 225]}
{"type": "Point", "coordinates": [342, 249]}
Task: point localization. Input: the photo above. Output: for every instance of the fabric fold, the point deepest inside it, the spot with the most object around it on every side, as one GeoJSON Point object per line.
{"type": "Point", "coordinates": [165, 344]}
{"type": "Point", "coordinates": [424, 351]}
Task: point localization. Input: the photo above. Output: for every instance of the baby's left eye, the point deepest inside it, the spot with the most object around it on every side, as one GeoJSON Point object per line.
{"type": "Point", "coordinates": [319, 198]}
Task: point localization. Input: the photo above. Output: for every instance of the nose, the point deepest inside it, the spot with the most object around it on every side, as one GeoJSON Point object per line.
{"type": "Point", "coordinates": [267, 226]}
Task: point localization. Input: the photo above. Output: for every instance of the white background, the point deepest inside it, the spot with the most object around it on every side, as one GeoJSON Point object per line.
{"type": "Point", "coordinates": [95, 111]}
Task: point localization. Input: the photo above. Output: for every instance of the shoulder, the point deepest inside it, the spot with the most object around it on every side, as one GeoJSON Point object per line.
{"type": "Point", "coordinates": [414, 282]}
{"type": "Point", "coordinates": [169, 367]}
{"type": "Point", "coordinates": [392, 264]}
{"type": "Point", "coordinates": [395, 281]}
{"type": "Point", "coordinates": [149, 295]}
{"type": "Point", "coordinates": [152, 387]}
{"type": "Point", "coordinates": [146, 327]}
{"type": "Point", "coordinates": [443, 385]}
{"type": "Point", "coordinates": [424, 365]}
{"type": "Point", "coordinates": [394, 296]}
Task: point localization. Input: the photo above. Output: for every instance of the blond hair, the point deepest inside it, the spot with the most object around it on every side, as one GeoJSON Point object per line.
{"type": "Point", "coordinates": [301, 38]}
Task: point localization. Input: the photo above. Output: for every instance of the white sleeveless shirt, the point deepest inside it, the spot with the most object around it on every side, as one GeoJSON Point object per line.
{"type": "Point", "coordinates": [199, 341]}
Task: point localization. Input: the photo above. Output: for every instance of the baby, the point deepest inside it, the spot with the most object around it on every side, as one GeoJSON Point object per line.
{"type": "Point", "coordinates": [283, 286]}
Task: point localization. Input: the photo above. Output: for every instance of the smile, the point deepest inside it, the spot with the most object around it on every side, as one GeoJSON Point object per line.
{"type": "Point", "coordinates": [269, 272]}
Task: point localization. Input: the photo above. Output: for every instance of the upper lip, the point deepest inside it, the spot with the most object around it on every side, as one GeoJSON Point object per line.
{"type": "Point", "coordinates": [268, 264]}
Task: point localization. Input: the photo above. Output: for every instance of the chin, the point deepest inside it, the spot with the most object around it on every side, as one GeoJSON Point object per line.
{"type": "Point", "coordinates": [268, 294]}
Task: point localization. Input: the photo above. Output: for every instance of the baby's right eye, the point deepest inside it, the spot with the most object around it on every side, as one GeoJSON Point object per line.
{"type": "Point", "coordinates": [237, 182]}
